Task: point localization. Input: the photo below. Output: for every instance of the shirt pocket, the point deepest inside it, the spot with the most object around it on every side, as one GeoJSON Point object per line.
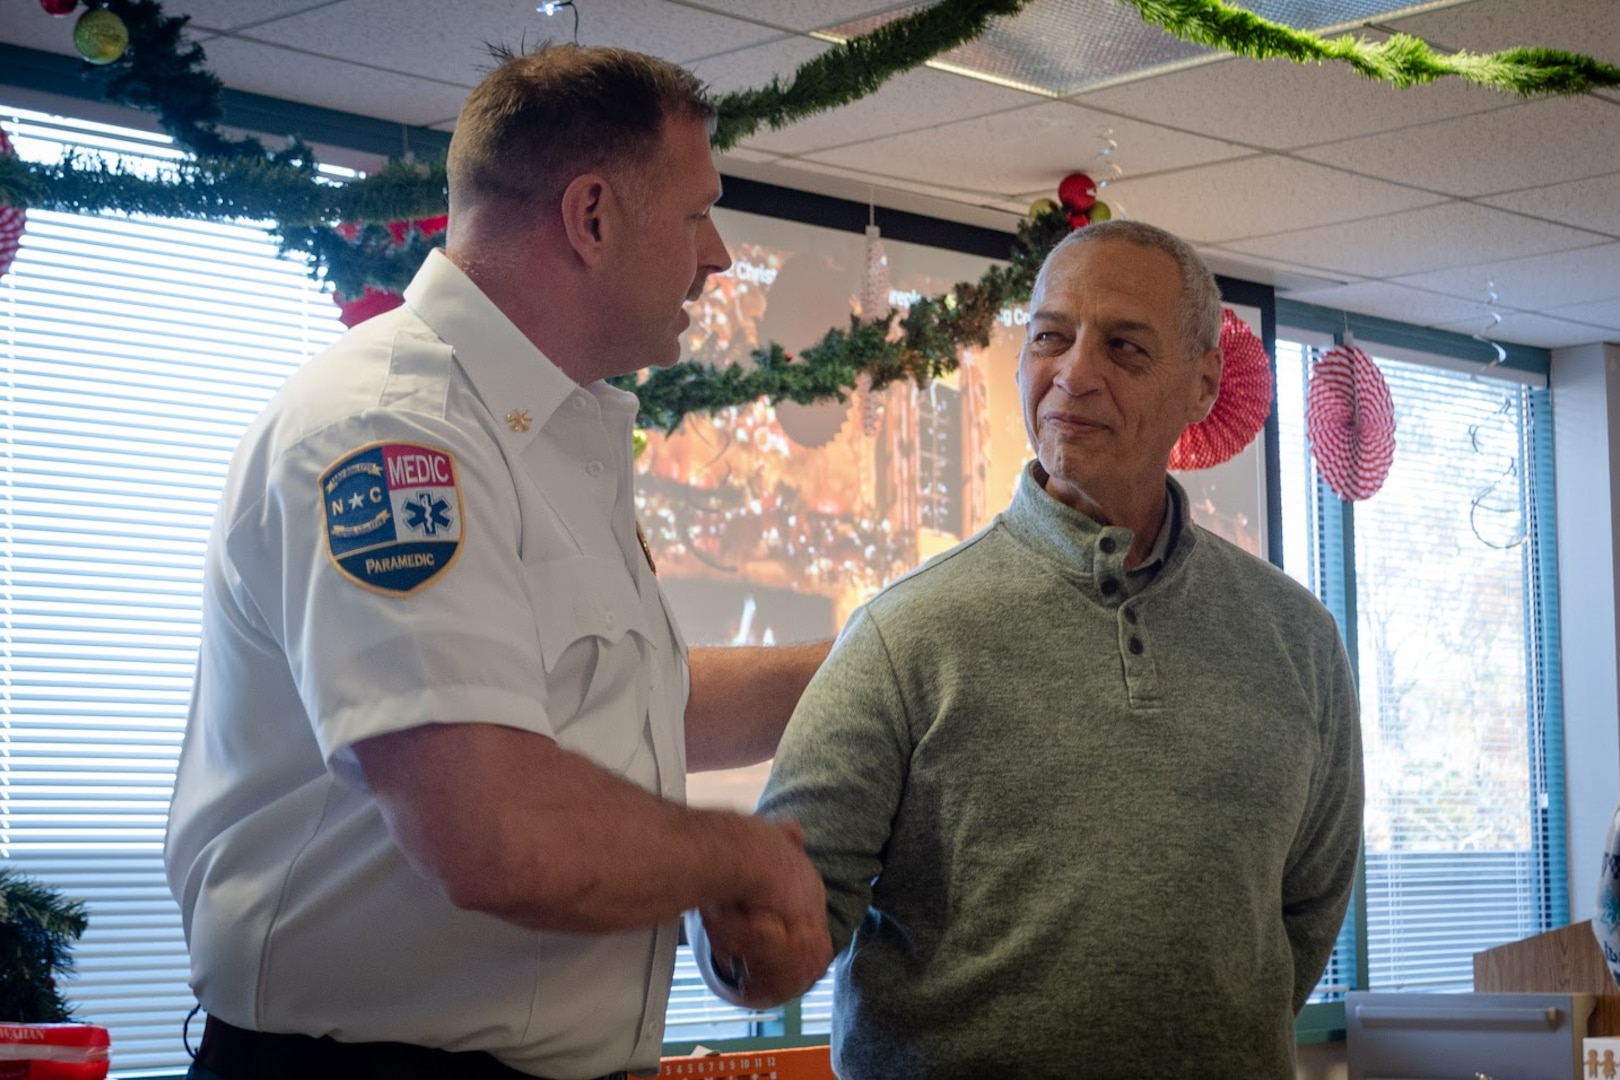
{"type": "Point", "coordinates": [598, 656]}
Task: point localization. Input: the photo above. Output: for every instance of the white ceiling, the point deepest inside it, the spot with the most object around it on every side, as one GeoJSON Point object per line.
{"type": "Point", "coordinates": [1412, 204]}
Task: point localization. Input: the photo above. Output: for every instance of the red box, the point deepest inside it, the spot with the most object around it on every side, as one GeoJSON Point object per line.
{"type": "Point", "coordinates": [53, 1052]}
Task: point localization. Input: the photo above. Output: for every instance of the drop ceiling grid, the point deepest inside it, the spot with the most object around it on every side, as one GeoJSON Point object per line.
{"type": "Point", "coordinates": [1528, 145]}
{"type": "Point", "coordinates": [1534, 282]}
{"type": "Point", "coordinates": [1416, 241]}
{"type": "Point", "coordinates": [1025, 149]}
{"type": "Point", "coordinates": [1281, 105]}
{"type": "Point", "coordinates": [1523, 328]}
{"type": "Point", "coordinates": [339, 84]}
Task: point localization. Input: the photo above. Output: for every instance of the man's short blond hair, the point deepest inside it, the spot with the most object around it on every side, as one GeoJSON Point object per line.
{"type": "Point", "coordinates": [540, 119]}
{"type": "Point", "coordinates": [1200, 316]}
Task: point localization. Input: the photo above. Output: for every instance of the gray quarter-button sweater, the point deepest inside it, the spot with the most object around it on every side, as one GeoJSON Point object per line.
{"type": "Point", "coordinates": [1074, 826]}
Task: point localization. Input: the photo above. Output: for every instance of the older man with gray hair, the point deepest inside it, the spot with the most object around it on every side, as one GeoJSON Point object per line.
{"type": "Point", "coordinates": [1086, 790]}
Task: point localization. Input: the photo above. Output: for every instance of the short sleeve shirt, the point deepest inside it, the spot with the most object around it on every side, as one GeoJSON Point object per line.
{"type": "Point", "coordinates": [430, 523]}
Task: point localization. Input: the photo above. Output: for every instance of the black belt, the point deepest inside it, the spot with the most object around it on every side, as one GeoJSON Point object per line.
{"type": "Point", "coordinates": [239, 1054]}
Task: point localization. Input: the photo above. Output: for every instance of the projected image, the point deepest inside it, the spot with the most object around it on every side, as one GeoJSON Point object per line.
{"type": "Point", "coordinates": [772, 524]}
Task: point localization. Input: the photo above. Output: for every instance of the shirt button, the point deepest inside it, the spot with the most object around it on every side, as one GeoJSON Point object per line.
{"type": "Point", "coordinates": [1136, 646]}
{"type": "Point", "coordinates": [1109, 587]}
{"type": "Point", "coordinates": [577, 402]}
{"type": "Point", "coordinates": [594, 468]}
{"type": "Point", "coordinates": [611, 619]}
{"type": "Point", "coordinates": [1107, 544]}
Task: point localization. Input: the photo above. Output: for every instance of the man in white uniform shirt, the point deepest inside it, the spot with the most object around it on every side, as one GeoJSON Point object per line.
{"type": "Point", "coordinates": [428, 819]}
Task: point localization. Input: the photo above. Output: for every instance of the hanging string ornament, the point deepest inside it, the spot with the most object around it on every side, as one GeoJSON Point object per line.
{"type": "Point", "coordinates": [1496, 512]}
{"type": "Point", "coordinates": [874, 305]}
{"type": "Point", "coordinates": [12, 220]}
{"type": "Point", "coordinates": [1493, 319]}
{"type": "Point", "coordinates": [1107, 171]}
{"type": "Point", "coordinates": [1241, 408]}
{"type": "Point", "coordinates": [1350, 422]}
{"type": "Point", "coordinates": [374, 301]}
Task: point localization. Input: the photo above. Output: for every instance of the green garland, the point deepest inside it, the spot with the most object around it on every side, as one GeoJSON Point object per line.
{"type": "Point", "coordinates": [933, 332]}
{"type": "Point", "coordinates": [232, 179]}
{"type": "Point", "coordinates": [1402, 60]}
{"type": "Point", "coordinates": [856, 68]}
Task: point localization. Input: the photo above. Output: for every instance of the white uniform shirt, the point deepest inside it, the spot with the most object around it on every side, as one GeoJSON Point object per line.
{"type": "Point", "coordinates": [430, 523]}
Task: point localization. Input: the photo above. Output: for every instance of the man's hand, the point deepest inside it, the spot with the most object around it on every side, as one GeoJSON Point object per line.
{"type": "Point", "coordinates": [774, 945]}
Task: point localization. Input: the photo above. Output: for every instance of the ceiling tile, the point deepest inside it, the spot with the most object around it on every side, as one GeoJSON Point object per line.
{"type": "Point", "coordinates": [450, 41]}
{"type": "Point", "coordinates": [1593, 203]}
{"type": "Point", "coordinates": [864, 184]}
{"type": "Point", "coordinates": [798, 15]}
{"type": "Point", "coordinates": [1528, 145]}
{"type": "Point", "coordinates": [1395, 302]}
{"type": "Point", "coordinates": [1416, 241]}
{"type": "Point", "coordinates": [1279, 104]}
{"type": "Point", "coordinates": [223, 16]}
{"type": "Point", "coordinates": [1256, 196]}
{"type": "Point", "coordinates": [314, 80]}
{"type": "Point", "coordinates": [1028, 149]}
{"type": "Point", "coordinates": [842, 184]}
{"type": "Point", "coordinates": [22, 22]}
{"type": "Point", "coordinates": [744, 69]}
{"type": "Point", "coordinates": [920, 99]}
{"type": "Point", "coordinates": [1280, 275]}
{"type": "Point", "coordinates": [1539, 330]}
{"type": "Point", "coordinates": [1534, 283]}
{"type": "Point", "coordinates": [1583, 26]}
{"type": "Point", "coordinates": [1601, 313]}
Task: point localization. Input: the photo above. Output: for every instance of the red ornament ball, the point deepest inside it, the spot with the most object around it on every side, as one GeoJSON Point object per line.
{"type": "Point", "coordinates": [1077, 192]}
{"type": "Point", "coordinates": [58, 7]}
{"type": "Point", "coordinates": [1078, 220]}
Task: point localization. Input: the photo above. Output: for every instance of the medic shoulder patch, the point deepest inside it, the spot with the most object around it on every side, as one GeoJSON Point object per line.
{"type": "Point", "coordinates": [393, 515]}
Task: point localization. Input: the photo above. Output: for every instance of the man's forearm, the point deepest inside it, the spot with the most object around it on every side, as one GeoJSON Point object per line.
{"type": "Point", "coordinates": [742, 697]}
{"type": "Point", "coordinates": [507, 823]}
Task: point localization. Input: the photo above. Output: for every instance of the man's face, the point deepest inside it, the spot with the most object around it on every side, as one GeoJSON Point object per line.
{"type": "Point", "coordinates": [673, 246]}
{"type": "Point", "coordinates": [1106, 381]}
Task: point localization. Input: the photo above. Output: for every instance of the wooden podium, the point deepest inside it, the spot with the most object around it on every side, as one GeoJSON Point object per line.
{"type": "Point", "coordinates": [1566, 960]}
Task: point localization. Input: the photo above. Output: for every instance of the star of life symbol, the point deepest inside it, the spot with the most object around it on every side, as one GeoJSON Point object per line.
{"type": "Point", "coordinates": [427, 514]}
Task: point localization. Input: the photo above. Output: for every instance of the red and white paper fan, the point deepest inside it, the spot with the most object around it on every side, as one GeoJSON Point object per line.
{"type": "Point", "coordinates": [1350, 421]}
{"type": "Point", "coordinates": [1241, 409]}
{"type": "Point", "coordinates": [11, 221]}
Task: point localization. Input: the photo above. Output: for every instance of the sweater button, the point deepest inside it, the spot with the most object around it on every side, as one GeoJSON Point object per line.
{"type": "Point", "coordinates": [1130, 616]}
{"type": "Point", "coordinates": [1107, 544]}
{"type": "Point", "coordinates": [1109, 586]}
{"type": "Point", "coordinates": [1137, 646]}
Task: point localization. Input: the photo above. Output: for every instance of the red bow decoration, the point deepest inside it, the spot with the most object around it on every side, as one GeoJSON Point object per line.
{"type": "Point", "coordinates": [375, 301]}
{"type": "Point", "coordinates": [11, 222]}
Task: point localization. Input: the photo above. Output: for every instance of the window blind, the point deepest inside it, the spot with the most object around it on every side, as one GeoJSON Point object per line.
{"type": "Point", "coordinates": [1442, 582]}
{"type": "Point", "coordinates": [133, 353]}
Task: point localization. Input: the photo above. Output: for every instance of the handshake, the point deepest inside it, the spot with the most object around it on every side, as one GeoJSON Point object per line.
{"type": "Point", "coordinates": [768, 944]}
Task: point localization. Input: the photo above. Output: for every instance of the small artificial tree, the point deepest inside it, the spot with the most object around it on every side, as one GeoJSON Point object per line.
{"type": "Point", "coordinates": [37, 930]}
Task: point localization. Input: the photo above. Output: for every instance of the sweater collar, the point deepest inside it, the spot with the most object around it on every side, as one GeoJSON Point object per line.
{"type": "Point", "coordinates": [1095, 550]}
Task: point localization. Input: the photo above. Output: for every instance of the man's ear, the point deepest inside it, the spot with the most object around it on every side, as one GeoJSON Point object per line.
{"type": "Point", "coordinates": [1209, 384]}
{"type": "Point", "coordinates": [585, 212]}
